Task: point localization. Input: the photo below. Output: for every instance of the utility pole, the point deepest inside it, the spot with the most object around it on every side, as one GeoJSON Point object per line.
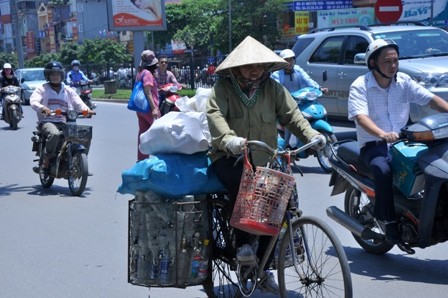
{"type": "Point", "coordinates": [18, 33]}
{"type": "Point", "coordinates": [230, 26]}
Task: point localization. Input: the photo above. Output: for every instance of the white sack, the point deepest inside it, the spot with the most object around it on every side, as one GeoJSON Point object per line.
{"type": "Point", "coordinates": [175, 132]}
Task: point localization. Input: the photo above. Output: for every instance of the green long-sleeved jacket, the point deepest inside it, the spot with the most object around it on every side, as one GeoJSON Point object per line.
{"type": "Point", "coordinates": [228, 117]}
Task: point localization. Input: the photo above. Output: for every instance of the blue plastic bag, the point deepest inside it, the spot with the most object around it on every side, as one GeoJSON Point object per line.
{"type": "Point", "coordinates": [138, 101]}
{"type": "Point", "coordinates": [172, 175]}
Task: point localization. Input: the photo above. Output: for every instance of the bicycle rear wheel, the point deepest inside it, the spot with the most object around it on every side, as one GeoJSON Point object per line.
{"type": "Point", "coordinates": [222, 282]}
{"type": "Point", "coordinates": [321, 268]}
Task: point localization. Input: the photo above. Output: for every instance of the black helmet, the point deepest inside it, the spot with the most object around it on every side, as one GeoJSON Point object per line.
{"type": "Point", "coordinates": [75, 63]}
{"type": "Point", "coordinates": [51, 67]}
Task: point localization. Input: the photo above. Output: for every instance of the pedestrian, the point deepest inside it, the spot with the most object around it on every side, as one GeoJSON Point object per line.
{"type": "Point", "coordinates": [379, 103]}
{"type": "Point", "coordinates": [245, 103]}
{"type": "Point", "coordinates": [147, 69]}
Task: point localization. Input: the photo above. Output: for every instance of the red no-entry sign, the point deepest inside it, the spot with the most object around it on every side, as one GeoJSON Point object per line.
{"type": "Point", "coordinates": [388, 11]}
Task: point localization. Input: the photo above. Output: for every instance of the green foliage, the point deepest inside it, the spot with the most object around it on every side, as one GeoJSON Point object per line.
{"type": "Point", "coordinates": [204, 24]}
{"type": "Point", "coordinates": [42, 60]}
{"type": "Point", "coordinates": [95, 51]}
{"type": "Point", "coordinates": [98, 51]}
{"type": "Point", "coordinates": [8, 58]}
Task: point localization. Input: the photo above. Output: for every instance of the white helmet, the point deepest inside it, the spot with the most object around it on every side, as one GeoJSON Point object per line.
{"type": "Point", "coordinates": [7, 65]}
{"type": "Point", "coordinates": [285, 54]}
{"type": "Point", "coordinates": [375, 47]}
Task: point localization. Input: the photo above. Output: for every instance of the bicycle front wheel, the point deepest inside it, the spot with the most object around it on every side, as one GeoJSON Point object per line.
{"type": "Point", "coordinates": [317, 266]}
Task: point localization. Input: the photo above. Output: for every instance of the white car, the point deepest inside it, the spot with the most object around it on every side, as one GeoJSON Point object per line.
{"type": "Point", "coordinates": [335, 57]}
{"type": "Point", "coordinates": [29, 79]}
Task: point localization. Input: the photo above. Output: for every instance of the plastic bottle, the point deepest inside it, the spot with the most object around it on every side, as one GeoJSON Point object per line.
{"type": "Point", "coordinates": [165, 260]}
{"type": "Point", "coordinates": [144, 266]}
{"type": "Point", "coordinates": [196, 259]}
{"type": "Point", "coordinates": [203, 267]}
{"type": "Point", "coordinates": [182, 262]}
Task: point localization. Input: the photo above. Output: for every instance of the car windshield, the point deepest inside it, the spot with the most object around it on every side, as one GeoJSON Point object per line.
{"type": "Point", "coordinates": [33, 75]}
{"type": "Point", "coordinates": [419, 43]}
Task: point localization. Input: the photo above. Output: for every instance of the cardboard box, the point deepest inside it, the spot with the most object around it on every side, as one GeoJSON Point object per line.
{"type": "Point", "coordinates": [407, 176]}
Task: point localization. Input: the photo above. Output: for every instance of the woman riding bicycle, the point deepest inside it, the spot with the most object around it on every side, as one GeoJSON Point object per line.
{"type": "Point", "coordinates": [246, 103]}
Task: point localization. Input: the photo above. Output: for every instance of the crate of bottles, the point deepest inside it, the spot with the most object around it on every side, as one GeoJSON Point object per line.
{"type": "Point", "coordinates": [168, 240]}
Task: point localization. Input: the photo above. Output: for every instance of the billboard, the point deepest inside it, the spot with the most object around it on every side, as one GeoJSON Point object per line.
{"type": "Point", "coordinates": [136, 15]}
{"type": "Point", "coordinates": [346, 17]}
{"type": "Point", "coordinates": [422, 10]}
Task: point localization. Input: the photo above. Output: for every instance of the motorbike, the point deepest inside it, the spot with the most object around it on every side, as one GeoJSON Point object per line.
{"type": "Point", "coordinates": [169, 96]}
{"type": "Point", "coordinates": [71, 160]}
{"type": "Point", "coordinates": [85, 92]}
{"type": "Point", "coordinates": [420, 179]}
{"type": "Point", "coordinates": [316, 115]}
{"type": "Point", "coordinates": [12, 105]}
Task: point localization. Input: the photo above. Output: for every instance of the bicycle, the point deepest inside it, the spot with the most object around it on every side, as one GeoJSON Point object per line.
{"type": "Point", "coordinates": [316, 267]}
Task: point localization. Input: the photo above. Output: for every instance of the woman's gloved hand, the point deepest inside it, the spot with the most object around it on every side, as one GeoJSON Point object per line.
{"type": "Point", "coordinates": [322, 141]}
{"type": "Point", "coordinates": [236, 145]}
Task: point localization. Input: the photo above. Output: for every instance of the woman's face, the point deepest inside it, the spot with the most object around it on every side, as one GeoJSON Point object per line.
{"type": "Point", "coordinates": [252, 71]}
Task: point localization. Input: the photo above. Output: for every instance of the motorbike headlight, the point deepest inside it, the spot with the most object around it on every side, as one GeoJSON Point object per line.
{"type": "Point", "coordinates": [432, 80]}
{"type": "Point", "coordinates": [72, 115]}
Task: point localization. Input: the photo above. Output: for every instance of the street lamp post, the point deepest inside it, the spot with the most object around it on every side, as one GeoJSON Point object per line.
{"type": "Point", "coordinates": [230, 26]}
{"type": "Point", "coordinates": [18, 27]}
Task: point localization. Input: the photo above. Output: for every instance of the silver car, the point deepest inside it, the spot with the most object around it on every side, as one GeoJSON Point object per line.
{"type": "Point", "coordinates": [334, 58]}
{"type": "Point", "coordinates": [29, 79]}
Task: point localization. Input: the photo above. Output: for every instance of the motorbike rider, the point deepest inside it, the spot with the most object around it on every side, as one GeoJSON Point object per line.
{"type": "Point", "coordinates": [293, 78]}
{"type": "Point", "coordinates": [164, 76]}
{"type": "Point", "coordinates": [7, 78]}
{"type": "Point", "coordinates": [245, 103]}
{"type": "Point", "coordinates": [379, 103]}
{"type": "Point", "coordinates": [51, 96]}
{"type": "Point", "coordinates": [75, 75]}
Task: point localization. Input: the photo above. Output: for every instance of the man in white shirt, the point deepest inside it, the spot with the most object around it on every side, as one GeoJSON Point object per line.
{"type": "Point", "coordinates": [379, 103]}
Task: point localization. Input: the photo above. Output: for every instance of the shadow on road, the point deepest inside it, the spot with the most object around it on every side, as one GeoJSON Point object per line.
{"type": "Point", "coordinates": [392, 266]}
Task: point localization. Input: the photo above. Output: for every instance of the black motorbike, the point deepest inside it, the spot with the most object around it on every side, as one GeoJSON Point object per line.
{"type": "Point", "coordinates": [71, 160]}
{"type": "Point", "coordinates": [420, 177]}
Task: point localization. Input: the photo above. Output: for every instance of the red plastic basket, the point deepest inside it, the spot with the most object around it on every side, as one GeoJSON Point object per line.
{"type": "Point", "coordinates": [262, 200]}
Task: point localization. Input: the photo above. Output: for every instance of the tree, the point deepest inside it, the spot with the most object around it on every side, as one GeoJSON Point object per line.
{"type": "Point", "coordinates": [9, 58]}
{"type": "Point", "coordinates": [42, 60]}
{"type": "Point", "coordinates": [204, 24]}
{"type": "Point", "coordinates": [257, 18]}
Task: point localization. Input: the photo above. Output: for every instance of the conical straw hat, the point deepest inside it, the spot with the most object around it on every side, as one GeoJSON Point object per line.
{"type": "Point", "coordinates": [251, 51]}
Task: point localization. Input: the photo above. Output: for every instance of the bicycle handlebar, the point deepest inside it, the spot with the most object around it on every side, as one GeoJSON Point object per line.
{"type": "Point", "coordinates": [283, 152]}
